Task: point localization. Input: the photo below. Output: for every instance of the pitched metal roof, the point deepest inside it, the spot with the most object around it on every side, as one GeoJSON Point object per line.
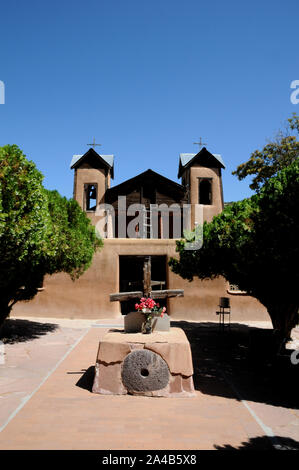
{"type": "Point", "coordinates": [108, 159]}
{"type": "Point", "coordinates": [187, 158]}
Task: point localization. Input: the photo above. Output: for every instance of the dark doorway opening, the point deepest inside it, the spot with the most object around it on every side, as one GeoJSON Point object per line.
{"type": "Point", "coordinates": [205, 191]}
{"type": "Point", "coordinates": [131, 278]}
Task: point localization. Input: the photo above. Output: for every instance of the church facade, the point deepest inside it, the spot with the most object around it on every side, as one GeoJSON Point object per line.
{"type": "Point", "coordinates": [140, 220]}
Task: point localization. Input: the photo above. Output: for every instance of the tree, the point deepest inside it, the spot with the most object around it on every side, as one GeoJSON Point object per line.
{"type": "Point", "coordinates": [254, 244]}
{"type": "Point", "coordinates": [40, 231]}
{"type": "Point", "coordinates": [73, 239]}
{"type": "Point", "coordinates": [274, 157]}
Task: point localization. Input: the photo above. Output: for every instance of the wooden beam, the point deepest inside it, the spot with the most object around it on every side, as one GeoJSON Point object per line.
{"type": "Point", "coordinates": [147, 267]}
{"type": "Point", "coordinates": [164, 294]}
{"type": "Point", "coordinates": [155, 294]}
{"type": "Point", "coordinates": [158, 283]}
{"type": "Point", "coordinates": [122, 296]}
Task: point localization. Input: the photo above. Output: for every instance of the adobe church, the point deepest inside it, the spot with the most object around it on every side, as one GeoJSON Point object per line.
{"type": "Point", "coordinates": [130, 242]}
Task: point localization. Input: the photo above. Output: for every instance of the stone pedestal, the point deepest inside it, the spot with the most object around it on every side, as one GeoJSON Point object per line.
{"type": "Point", "coordinates": [158, 364]}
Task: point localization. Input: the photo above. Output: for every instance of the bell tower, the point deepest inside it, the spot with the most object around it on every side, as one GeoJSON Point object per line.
{"type": "Point", "coordinates": [201, 177]}
{"type": "Point", "coordinates": [92, 177]}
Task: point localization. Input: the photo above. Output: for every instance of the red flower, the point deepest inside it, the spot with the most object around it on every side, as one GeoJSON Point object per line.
{"type": "Point", "coordinates": [146, 303]}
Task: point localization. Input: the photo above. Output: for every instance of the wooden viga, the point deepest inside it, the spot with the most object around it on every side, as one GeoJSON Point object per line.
{"type": "Point", "coordinates": [148, 283]}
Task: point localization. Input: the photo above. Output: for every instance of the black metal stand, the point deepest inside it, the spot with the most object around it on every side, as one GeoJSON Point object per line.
{"type": "Point", "coordinates": [222, 312]}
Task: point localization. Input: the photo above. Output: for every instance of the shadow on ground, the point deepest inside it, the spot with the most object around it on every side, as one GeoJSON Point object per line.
{"type": "Point", "coordinates": [264, 443]}
{"type": "Point", "coordinates": [238, 363]}
{"type": "Point", "coordinates": [86, 381]}
{"type": "Point", "coordinates": [226, 365]}
{"type": "Point", "coordinates": [17, 330]}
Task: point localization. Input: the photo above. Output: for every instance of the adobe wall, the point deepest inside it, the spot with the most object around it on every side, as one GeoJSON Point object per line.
{"type": "Point", "coordinates": [197, 172]}
{"type": "Point", "coordinates": [89, 176]}
{"type": "Point", "coordinates": [88, 297]}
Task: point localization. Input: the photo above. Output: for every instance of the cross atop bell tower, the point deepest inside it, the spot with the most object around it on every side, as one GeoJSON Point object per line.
{"type": "Point", "coordinates": [93, 145]}
{"type": "Point", "coordinates": [200, 143]}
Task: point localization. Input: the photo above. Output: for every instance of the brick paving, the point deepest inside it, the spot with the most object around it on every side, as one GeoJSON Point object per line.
{"type": "Point", "coordinates": [52, 375]}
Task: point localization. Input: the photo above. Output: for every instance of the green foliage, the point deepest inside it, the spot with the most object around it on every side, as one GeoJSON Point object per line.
{"type": "Point", "coordinates": [24, 225]}
{"type": "Point", "coordinates": [72, 240]}
{"type": "Point", "coordinates": [254, 244]}
{"type": "Point", "coordinates": [40, 231]}
{"type": "Point", "coordinates": [274, 157]}
{"type": "Point", "coordinates": [225, 235]}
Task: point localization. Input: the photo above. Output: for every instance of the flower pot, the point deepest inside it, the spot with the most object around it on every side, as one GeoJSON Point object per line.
{"type": "Point", "coordinates": [147, 327]}
{"type": "Point", "coordinates": [146, 311]}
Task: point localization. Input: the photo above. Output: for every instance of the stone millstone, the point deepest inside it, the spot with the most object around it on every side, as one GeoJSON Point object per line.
{"type": "Point", "coordinates": [144, 371]}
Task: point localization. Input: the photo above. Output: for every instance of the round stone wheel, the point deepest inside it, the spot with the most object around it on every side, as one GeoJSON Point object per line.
{"type": "Point", "coordinates": [144, 371]}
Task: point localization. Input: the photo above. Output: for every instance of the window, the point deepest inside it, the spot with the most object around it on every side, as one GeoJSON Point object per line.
{"type": "Point", "coordinates": [205, 191]}
{"type": "Point", "coordinates": [90, 197]}
{"type": "Point", "coordinates": [131, 277]}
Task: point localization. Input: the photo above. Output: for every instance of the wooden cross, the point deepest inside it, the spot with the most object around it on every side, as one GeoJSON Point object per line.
{"type": "Point", "coordinates": [94, 144]}
{"type": "Point", "coordinates": [147, 288]}
{"type": "Point", "coordinates": [200, 143]}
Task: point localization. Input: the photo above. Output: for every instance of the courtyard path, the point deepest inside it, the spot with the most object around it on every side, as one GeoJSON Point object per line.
{"type": "Point", "coordinates": [58, 411]}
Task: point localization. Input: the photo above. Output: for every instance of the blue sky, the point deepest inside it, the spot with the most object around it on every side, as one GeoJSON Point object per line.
{"type": "Point", "coordinates": [146, 79]}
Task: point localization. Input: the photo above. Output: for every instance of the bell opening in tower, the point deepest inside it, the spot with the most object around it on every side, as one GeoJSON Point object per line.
{"type": "Point", "coordinates": [91, 197]}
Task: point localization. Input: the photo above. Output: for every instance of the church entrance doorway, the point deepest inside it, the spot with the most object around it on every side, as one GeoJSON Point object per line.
{"type": "Point", "coordinates": [131, 277]}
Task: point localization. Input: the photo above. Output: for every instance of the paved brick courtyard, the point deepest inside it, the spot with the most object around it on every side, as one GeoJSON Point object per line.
{"type": "Point", "coordinates": [46, 403]}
